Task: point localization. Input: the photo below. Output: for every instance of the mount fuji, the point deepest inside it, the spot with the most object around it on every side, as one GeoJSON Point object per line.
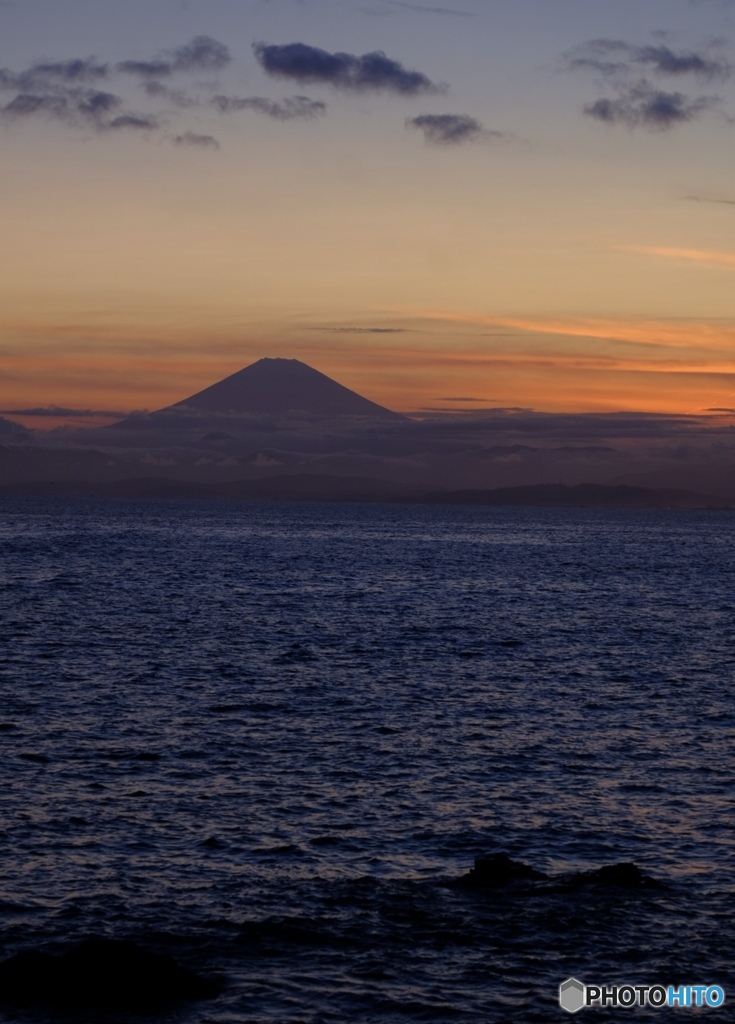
{"type": "Point", "coordinates": [278, 387]}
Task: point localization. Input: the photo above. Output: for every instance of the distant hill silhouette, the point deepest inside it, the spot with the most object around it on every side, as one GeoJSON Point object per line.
{"type": "Point", "coordinates": [579, 495]}
{"type": "Point", "coordinates": [40, 472]}
{"type": "Point", "coordinates": [276, 387]}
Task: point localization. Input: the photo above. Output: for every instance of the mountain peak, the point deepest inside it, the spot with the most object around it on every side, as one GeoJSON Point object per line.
{"type": "Point", "coordinates": [274, 386]}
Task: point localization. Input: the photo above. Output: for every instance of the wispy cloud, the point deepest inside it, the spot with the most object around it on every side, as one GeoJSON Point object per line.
{"type": "Point", "coordinates": [426, 9]}
{"type": "Point", "coordinates": [75, 107]}
{"type": "Point", "coordinates": [133, 122]}
{"type": "Point", "coordinates": [715, 336]}
{"type": "Point", "coordinates": [359, 330]}
{"type": "Point", "coordinates": [158, 91]}
{"type": "Point", "coordinates": [202, 54]}
{"type": "Point", "coordinates": [29, 105]}
{"type": "Point", "coordinates": [80, 109]}
{"type": "Point", "coordinates": [707, 199]}
{"type": "Point", "coordinates": [451, 129]}
{"type": "Point", "coordinates": [52, 74]}
{"type": "Point", "coordinates": [613, 57]}
{"type": "Point", "coordinates": [371, 72]}
{"type": "Point", "coordinates": [145, 68]}
{"type": "Point", "coordinates": [634, 101]}
{"type": "Point", "coordinates": [60, 90]}
{"type": "Point", "coordinates": [55, 410]}
{"type": "Point", "coordinates": [643, 106]}
{"type": "Point", "coordinates": [715, 259]}
{"type": "Point", "coordinates": [290, 109]}
{"type": "Point", "coordinates": [196, 140]}
{"type": "Point", "coordinates": [68, 91]}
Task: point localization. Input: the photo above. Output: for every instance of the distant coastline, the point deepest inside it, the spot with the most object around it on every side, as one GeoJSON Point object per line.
{"type": "Point", "coordinates": [320, 487]}
{"type": "Point", "coordinates": [280, 430]}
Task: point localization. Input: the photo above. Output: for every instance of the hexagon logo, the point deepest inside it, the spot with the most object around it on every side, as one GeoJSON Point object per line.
{"type": "Point", "coordinates": [571, 995]}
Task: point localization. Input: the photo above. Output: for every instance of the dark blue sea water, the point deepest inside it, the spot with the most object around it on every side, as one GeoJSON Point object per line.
{"type": "Point", "coordinates": [263, 737]}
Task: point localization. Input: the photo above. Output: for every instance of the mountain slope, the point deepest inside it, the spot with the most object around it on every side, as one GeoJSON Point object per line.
{"type": "Point", "coordinates": [275, 387]}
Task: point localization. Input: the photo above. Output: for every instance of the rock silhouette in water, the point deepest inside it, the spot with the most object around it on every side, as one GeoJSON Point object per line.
{"type": "Point", "coordinates": [498, 870]}
{"type": "Point", "coordinates": [106, 973]}
{"type": "Point", "coordinates": [625, 875]}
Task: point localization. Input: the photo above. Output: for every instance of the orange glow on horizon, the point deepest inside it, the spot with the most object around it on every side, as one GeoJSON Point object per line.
{"type": "Point", "coordinates": [716, 259]}
{"type": "Point", "coordinates": [630, 364]}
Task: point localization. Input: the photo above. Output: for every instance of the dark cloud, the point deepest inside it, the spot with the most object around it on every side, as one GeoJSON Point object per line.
{"type": "Point", "coordinates": [597, 427]}
{"type": "Point", "coordinates": [450, 129]}
{"type": "Point", "coordinates": [360, 330]}
{"type": "Point", "coordinates": [49, 75]}
{"type": "Point", "coordinates": [29, 105]}
{"type": "Point", "coordinates": [706, 199]}
{"type": "Point", "coordinates": [201, 54]}
{"type": "Point", "coordinates": [397, 7]}
{"type": "Point", "coordinates": [615, 58]}
{"type": "Point", "coordinates": [55, 410]}
{"type": "Point", "coordinates": [422, 9]}
{"type": "Point", "coordinates": [146, 68]}
{"type": "Point", "coordinates": [133, 122]}
{"type": "Point", "coordinates": [643, 106]}
{"type": "Point", "coordinates": [60, 91]}
{"type": "Point", "coordinates": [371, 72]}
{"type": "Point", "coordinates": [64, 90]}
{"type": "Point", "coordinates": [193, 139]}
{"type": "Point", "coordinates": [290, 109]}
{"type": "Point", "coordinates": [96, 104]}
{"type": "Point", "coordinates": [636, 102]}
{"type": "Point", "coordinates": [157, 90]}
{"type": "Point", "coordinates": [69, 71]}
{"type": "Point", "coordinates": [664, 61]}
{"type": "Point", "coordinates": [75, 107]}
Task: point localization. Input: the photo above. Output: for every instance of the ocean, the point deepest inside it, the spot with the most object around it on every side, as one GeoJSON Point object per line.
{"type": "Point", "coordinates": [267, 738]}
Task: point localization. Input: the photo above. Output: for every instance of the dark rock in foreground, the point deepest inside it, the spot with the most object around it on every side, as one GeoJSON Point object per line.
{"type": "Point", "coordinates": [100, 973]}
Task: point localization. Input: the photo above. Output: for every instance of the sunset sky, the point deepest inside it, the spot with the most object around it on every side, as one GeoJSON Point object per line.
{"type": "Point", "coordinates": [440, 203]}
